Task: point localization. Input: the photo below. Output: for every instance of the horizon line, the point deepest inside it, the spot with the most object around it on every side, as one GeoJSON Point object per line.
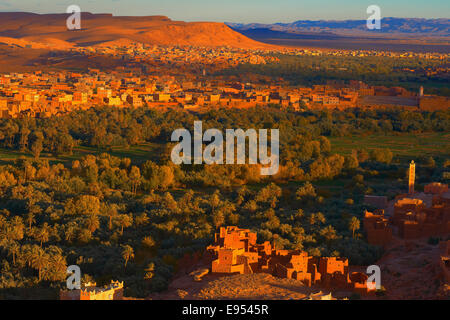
{"type": "Point", "coordinates": [226, 22]}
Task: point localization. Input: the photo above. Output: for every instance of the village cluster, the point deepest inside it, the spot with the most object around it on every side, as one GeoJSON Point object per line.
{"type": "Point", "coordinates": [43, 95]}
{"type": "Point", "coordinates": [415, 214]}
{"type": "Point", "coordinates": [168, 77]}
{"type": "Point", "coordinates": [237, 252]}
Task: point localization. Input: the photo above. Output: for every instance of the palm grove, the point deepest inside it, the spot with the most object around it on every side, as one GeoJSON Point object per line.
{"type": "Point", "coordinates": [136, 220]}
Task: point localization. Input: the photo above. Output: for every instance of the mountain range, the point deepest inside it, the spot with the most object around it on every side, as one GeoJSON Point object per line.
{"type": "Point", "coordinates": [49, 31]}
{"type": "Point", "coordinates": [389, 27]}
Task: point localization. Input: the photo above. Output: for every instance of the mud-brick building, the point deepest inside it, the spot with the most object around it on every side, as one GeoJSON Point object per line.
{"type": "Point", "coordinates": [415, 218]}
{"type": "Point", "coordinates": [235, 238]}
{"type": "Point", "coordinates": [416, 215]}
{"type": "Point", "coordinates": [114, 291]}
{"type": "Point", "coordinates": [236, 251]}
{"type": "Point", "coordinates": [436, 188]}
{"type": "Point", "coordinates": [377, 227]}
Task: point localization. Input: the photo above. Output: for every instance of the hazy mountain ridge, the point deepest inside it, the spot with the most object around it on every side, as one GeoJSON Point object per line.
{"type": "Point", "coordinates": [406, 26]}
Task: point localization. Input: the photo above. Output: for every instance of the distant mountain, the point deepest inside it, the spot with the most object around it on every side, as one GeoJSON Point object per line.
{"type": "Point", "coordinates": [389, 26]}
{"type": "Point", "coordinates": [102, 29]}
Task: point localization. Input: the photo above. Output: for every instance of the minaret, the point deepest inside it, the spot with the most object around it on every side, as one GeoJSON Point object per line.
{"type": "Point", "coordinates": [412, 177]}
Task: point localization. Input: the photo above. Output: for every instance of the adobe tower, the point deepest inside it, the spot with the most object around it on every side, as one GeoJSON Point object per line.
{"type": "Point", "coordinates": [412, 176]}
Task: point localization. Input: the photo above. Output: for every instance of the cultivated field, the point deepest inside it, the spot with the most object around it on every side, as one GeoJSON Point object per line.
{"type": "Point", "coordinates": [403, 146]}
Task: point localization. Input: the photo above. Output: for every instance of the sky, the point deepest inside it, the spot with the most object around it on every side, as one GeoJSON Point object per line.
{"type": "Point", "coordinates": [245, 11]}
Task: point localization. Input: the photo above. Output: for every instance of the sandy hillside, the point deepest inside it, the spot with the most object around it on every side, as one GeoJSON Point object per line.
{"type": "Point", "coordinates": [50, 29]}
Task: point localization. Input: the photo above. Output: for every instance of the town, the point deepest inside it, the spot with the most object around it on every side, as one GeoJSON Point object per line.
{"type": "Point", "coordinates": [177, 77]}
{"type": "Point", "coordinates": [124, 144]}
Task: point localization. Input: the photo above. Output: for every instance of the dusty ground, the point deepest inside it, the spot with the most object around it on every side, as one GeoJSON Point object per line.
{"type": "Point", "coordinates": [249, 286]}
{"type": "Point", "coordinates": [409, 270]}
{"type": "Point", "coordinates": [246, 287]}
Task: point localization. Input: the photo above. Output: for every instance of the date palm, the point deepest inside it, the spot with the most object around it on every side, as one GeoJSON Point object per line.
{"type": "Point", "coordinates": [2, 220]}
{"type": "Point", "coordinates": [92, 223]}
{"type": "Point", "coordinates": [111, 213]}
{"type": "Point", "coordinates": [127, 253]}
{"type": "Point", "coordinates": [57, 265]}
{"type": "Point", "coordinates": [39, 260]}
{"type": "Point", "coordinates": [353, 225]}
{"type": "Point", "coordinates": [14, 250]}
{"type": "Point", "coordinates": [18, 226]}
{"type": "Point", "coordinates": [69, 233]}
{"type": "Point", "coordinates": [27, 254]}
{"type": "Point", "coordinates": [42, 234]}
{"type": "Point", "coordinates": [124, 221]}
{"type": "Point", "coordinates": [30, 219]}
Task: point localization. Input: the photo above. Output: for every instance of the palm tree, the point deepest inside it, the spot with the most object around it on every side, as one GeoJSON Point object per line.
{"type": "Point", "coordinates": [141, 219]}
{"type": "Point", "coordinates": [42, 235]}
{"type": "Point", "coordinates": [92, 223]}
{"type": "Point", "coordinates": [17, 223]}
{"type": "Point", "coordinates": [354, 225]}
{"type": "Point", "coordinates": [30, 219]}
{"type": "Point", "coordinates": [27, 253]}
{"type": "Point", "coordinates": [127, 253]}
{"type": "Point", "coordinates": [111, 213]}
{"type": "Point", "coordinates": [148, 242]}
{"type": "Point", "coordinates": [2, 220]}
{"type": "Point", "coordinates": [57, 266]}
{"type": "Point", "coordinates": [124, 221]}
{"type": "Point", "coordinates": [70, 233]}
{"type": "Point", "coordinates": [14, 250]}
{"type": "Point", "coordinates": [39, 260]}
{"type": "Point", "coordinates": [329, 233]}
{"type": "Point", "coordinates": [135, 178]}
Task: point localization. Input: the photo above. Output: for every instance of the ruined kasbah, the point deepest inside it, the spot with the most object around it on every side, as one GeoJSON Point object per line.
{"type": "Point", "coordinates": [89, 291]}
{"type": "Point", "coordinates": [414, 215]}
{"type": "Point", "coordinates": [236, 251]}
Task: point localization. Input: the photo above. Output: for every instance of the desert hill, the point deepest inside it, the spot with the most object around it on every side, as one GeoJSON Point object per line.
{"type": "Point", "coordinates": [50, 30]}
{"type": "Point", "coordinates": [396, 34]}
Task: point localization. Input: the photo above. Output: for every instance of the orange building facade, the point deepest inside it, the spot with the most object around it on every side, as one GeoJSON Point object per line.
{"type": "Point", "coordinates": [236, 251]}
{"type": "Point", "coordinates": [415, 219]}
{"type": "Point", "coordinates": [415, 216]}
{"type": "Point", "coordinates": [90, 292]}
{"type": "Point", "coordinates": [377, 227]}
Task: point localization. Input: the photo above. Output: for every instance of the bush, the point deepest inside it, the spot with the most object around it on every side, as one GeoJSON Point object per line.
{"type": "Point", "coordinates": [355, 296]}
{"type": "Point", "coordinates": [433, 241]}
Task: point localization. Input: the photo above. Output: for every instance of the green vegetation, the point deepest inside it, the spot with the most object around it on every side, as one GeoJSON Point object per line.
{"type": "Point", "coordinates": [410, 73]}
{"type": "Point", "coordinates": [404, 146]}
{"type": "Point", "coordinates": [96, 188]}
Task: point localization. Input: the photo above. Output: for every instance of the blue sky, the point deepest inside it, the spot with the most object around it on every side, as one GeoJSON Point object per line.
{"type": "Point", "coordinates": [264, 11]}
